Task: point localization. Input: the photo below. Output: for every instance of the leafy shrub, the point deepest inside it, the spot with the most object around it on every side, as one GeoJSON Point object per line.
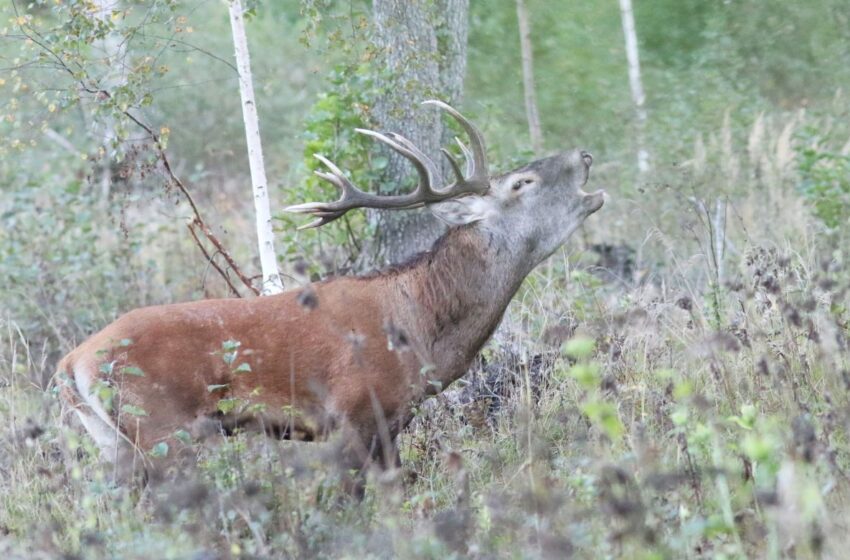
{"type": "Point", "coordinates": [825, 182]}
{"type": "Point", "coordinates": [329, 130]}
{"type": "Point", "coordinates": [63, 274]}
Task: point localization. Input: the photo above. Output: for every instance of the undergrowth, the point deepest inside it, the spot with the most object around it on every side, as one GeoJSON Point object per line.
{"type": "Point", "coordinates": [680, 396]}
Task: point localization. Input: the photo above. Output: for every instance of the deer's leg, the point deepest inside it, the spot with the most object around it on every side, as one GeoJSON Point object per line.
{"type": "Point", "coordinates": [385, 452]}
{"type": "Point", "coordinates": [353, 459]}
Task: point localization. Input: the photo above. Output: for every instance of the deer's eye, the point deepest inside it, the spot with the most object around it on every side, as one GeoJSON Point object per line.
{"type": "Point", "coordinates": [521, 183]}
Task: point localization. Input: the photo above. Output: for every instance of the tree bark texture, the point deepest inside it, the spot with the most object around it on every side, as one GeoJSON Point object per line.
{"type": "Point", "coordinates": [422, 52]}
{"type": "Point", "coordinates": [530, 92]}
{"type": "Point", "coordinates": [265, 236]}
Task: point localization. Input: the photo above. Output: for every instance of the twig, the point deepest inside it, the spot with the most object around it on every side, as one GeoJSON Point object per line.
{"type": "Point", "coordinates": [102, 94]}
{"type": "Point", "coordinates": [60, 140]}
{"type": "Point", "coordinates": [211, 260]}
{"type": "Point", "coordinates": [230, 262]}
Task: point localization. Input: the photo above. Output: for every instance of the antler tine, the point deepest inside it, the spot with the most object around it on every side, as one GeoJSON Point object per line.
{"type": "Point", "coordinates": [455, 167]}
{"type": "Point", "coordinates": [423, 164]}
{"type": "Point", "coordinates": [352, 197]}
{"type": "Point", "coordinates": [329, 211]}
{"type": "Point", "coordinates": [315, 223]}
{"type": "Point", "coordinates": [467, 156]}
{"type": "Point", "coordinates": [338, 178]}
{"type": "Point", "coordinates": [427, 161]}
{"type": "Point", "coordinates": [478, 179]}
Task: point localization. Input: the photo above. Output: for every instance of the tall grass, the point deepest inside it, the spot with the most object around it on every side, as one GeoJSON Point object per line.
{"type": "Point", "coordinates": [685, 396]}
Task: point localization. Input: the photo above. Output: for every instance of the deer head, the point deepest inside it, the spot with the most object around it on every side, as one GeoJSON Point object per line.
{"type": "Point", "coordinates": [534, 208]}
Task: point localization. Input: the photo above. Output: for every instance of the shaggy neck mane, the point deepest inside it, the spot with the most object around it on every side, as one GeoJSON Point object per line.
{"type": "Point", "coordinates": [444, 278]}
{"type": "Point", "coordinates": [451, 298]}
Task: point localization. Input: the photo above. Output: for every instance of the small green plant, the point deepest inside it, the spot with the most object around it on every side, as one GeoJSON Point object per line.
{"type": "Point", "coordinates": [329, 130]}
{"type": "Point", "coordinates": [825, 181]}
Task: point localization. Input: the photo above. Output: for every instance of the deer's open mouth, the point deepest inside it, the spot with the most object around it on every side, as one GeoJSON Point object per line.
{"type": "Point", "coordinates": [593, 201]}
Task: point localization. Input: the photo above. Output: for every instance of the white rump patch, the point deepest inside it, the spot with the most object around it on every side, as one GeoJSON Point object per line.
{"type": "Point", "coordinates": [95, 419]}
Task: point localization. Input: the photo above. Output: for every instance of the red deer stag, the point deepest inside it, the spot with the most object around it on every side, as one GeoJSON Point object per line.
{"type": "Point", "coordinates": [352, 353]}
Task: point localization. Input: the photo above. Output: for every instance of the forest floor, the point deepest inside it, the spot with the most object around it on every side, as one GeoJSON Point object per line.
{"type": "Point", "coordinates": [684, 395]}
{"type": "Point", "coordinates": [653, 422]}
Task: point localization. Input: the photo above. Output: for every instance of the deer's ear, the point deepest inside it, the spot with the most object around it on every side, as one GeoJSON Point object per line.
{"type": "Point", "coordinates": [464, 210]}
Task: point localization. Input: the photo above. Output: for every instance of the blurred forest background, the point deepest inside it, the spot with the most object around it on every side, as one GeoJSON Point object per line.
{"type": "Point", "coordinates": [672, 384]}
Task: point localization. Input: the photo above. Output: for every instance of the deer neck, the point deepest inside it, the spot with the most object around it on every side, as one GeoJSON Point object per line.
{"type": "Point", "coordinates": [453, 298]}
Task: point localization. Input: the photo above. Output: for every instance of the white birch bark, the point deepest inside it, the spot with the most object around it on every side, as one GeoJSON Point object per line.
{"type": "Point", "coordinates": [272, 283]}
{"type": "Point", "coordinates": [630, 35]}
{"type": "Point", "coordinates": [528, 78]}
{"type": "Point", "coordinates": [113, 48]}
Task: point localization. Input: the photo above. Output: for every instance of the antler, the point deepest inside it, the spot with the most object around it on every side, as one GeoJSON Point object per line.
{"type": "Point", "coordinates": [477, 179]}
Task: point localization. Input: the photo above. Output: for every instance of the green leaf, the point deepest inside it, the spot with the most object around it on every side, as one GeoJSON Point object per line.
{"type": "Point", "coordinates": [133, 370]}
{"type": "Point", "coordinates": [183, 436]}
{"type": "Point", "coordinates": [134, 410]}
{"type": "Point", "coordinates": [226, 406]}
{"type": "Point", "coordinates": [105, 393]}
{"type": "Point", "coordinates": [230, 345]}
{"type": "Point", "coordinates": [664, 374]}
{"type": "Point", "coordinates": [379, 163]}
{"type": "Point", "coordinates": [580, 347]}
{"type": "Point", "coordinates": [587, 375]}
{"type": "Point", "coordinates": [257, 408]}
{"type": "Point", "coordinates": [125, 342]}
{"type": "Point", "coordinates": [679, 417]}
{"type": "Point", "coordinates": [757, 448]}
{"type": "Point", "coordinates": [211, 388]}
{"type": "Point", "coordinates": [159, 450]}
{"type": "Point", "coordinates": [700, 434]}
{"type": "Point", "coordinates": [244, 367]}
{"type": "Point", "coordinates": [747, 419]}
{"type": "Point", "coordinates": [107, 367]}
{"type": "Point", "coordinates": [604, 415]}
{"type": "Point", "coordinates": [229, 357]}
{"type": "Point", "coordinates": [682, 389]}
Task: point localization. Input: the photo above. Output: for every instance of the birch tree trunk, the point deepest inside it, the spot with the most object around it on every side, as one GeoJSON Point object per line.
{"type": "Point", "coordinates": [630, 35]}
{"type": "Point", "coordinates": [114, 49]}
{"type": "Point", "coordinates": [528, 78]}
{"type": "Point", "coordinates": [419, 67]}
{"type": "Point", "coordinates": [272, 283]}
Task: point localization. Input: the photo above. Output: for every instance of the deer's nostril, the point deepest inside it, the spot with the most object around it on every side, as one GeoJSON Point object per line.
{"type": "Point", "coordinates": [588, 159]}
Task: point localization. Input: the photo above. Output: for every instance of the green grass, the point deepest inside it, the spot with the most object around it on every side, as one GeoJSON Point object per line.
{"type": "Point", "coordinates": [667, 401]}
{"type": "Point", "coordinates": [664, 438]}
{"type": "Point", "coordinates": [673, 410]}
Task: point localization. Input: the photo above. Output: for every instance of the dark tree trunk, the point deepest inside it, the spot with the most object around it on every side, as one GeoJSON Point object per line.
{"type": "Point", "coordinates": [422, 48]}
